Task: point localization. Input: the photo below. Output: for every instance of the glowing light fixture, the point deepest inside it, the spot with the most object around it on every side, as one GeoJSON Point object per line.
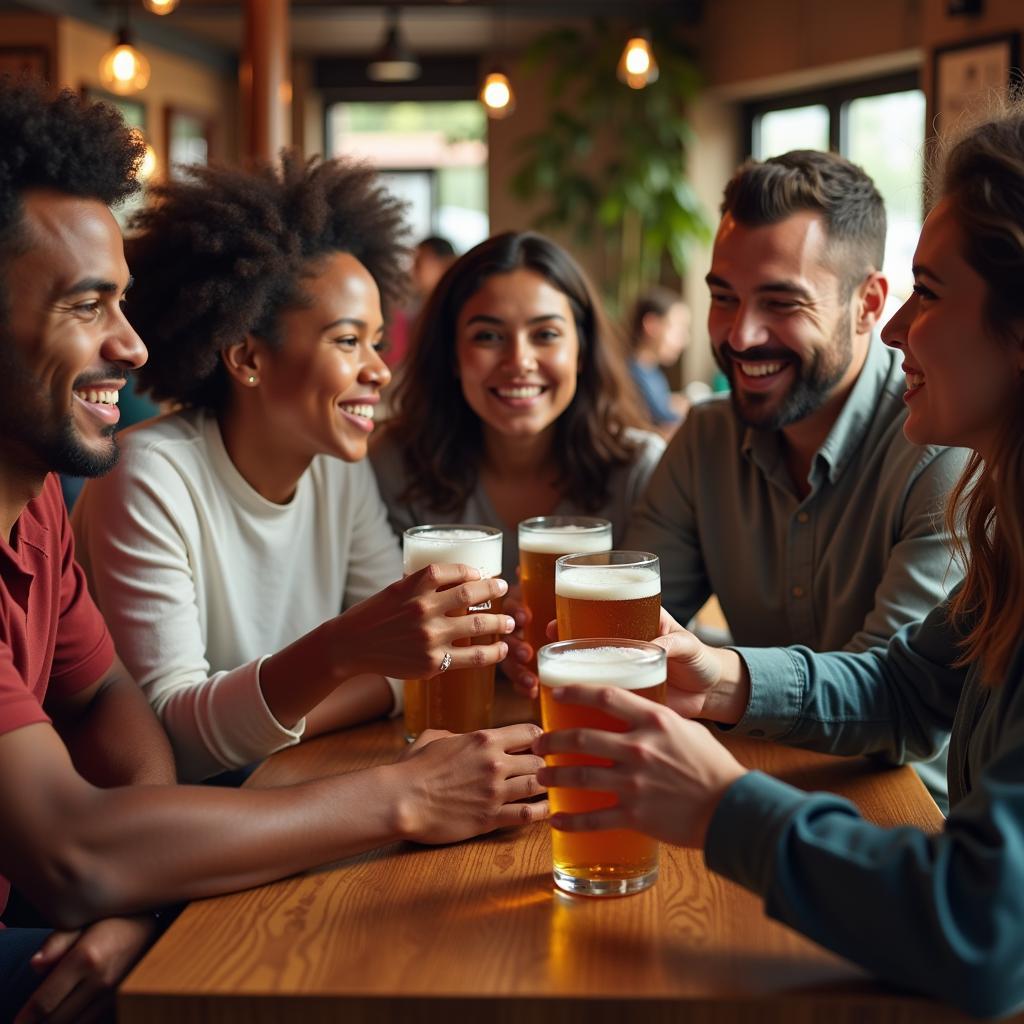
{"type": "Point", "coordinates": [160, 6]}
{"type": "Point", "coordinates": [124, 69]}
{"type": "Point", "coordinates": [393, 62]}
{"type": "Point", "coordinates": [148, 165]}
{"type": "Point", "coordinates": [497, 96]}
{"type": "Point", "coordinates": [637, 66]}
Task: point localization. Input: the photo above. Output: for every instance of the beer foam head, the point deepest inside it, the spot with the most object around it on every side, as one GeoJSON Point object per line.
{"type": "Point", "coordinates": [565, 540]}
{"type": "Point", "coordinates": [450, 544]}
{"type": "Point", "coordinates": [629, 668]}
{"type": "Point", "coordinates": [607, 583]}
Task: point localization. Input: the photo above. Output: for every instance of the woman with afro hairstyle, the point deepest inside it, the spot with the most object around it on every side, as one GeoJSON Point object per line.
{"type": "Point", "coordinates": [512, 402]}
{"type": "Point", "coordinates": [238, 550]}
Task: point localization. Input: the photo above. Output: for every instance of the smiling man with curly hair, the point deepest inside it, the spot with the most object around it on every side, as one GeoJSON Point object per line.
{"type": "Point", "coordinates": [93, 830]}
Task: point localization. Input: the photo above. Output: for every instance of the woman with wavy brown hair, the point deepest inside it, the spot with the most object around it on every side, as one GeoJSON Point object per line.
{"type": "Point", "coordinates": [512, 403]}
{"type": "Point", "coordinates": [939, 913]}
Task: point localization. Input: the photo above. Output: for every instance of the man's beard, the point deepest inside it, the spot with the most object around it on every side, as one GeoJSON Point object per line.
{"type": "Point", "coordinates": [810, 390]}
{"type": "Point", "coordinates": [57, 448]}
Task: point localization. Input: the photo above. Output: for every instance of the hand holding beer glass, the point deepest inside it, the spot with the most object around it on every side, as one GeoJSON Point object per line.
{"type": "Point", "coordinates": [458, 699]}
{"type": "Point", "coordinates": [610, 593]}
{"type": "Point", "coordinates": [542, 539]}
{"type": "Point", "coordinates": [609, 862]}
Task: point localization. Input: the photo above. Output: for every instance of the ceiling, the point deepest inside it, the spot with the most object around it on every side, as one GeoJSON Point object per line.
{"type": "Point", "coordinates": [322, 27]}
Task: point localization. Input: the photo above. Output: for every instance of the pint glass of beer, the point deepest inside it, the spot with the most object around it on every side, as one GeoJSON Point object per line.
{"type": "Point", "coordinates": [610, 862]}
{"type": "Point", "coordinates": [609, 593]}
{"type": "Point", "coordinates": [459, 700]}
{"type": "Point", "coordinates": [541, 540]}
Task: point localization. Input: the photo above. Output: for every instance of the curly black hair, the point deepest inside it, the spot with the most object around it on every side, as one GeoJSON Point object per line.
{"type": "Point", "coordinates": [63, 144]}
{"type": "Point", "coordinates": [222, 254]}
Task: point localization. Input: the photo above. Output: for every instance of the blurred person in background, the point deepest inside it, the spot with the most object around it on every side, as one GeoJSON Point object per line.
{"type": "Point", "coordinates": [430, 259]}
{"type": "Point", "coordinates": [659, 332]}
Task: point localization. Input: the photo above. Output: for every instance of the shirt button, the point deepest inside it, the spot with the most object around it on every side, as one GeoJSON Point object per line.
{"type": "Point", "coordinates": [797, 591]}
{"type": "Point", "coordinates": [802, 517]}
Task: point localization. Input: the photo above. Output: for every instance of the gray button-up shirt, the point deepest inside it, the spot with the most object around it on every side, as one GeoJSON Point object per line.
{"type": "Point", "coordinates": [864, 553]}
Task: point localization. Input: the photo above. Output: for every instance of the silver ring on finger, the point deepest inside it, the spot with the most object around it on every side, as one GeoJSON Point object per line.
{"type": "Point", "coordinates": [446, 662]}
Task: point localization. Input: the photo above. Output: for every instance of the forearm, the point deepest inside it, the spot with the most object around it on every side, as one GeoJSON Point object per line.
{"type": "Point", "coordinates": [142, 754]}
{"type": "Point", "coordinates": [117, 858]}
{"type": "Point", "coordinates": [898, 702]}
{"type": "Point", "coordinates": [939, 914]}
{"type": "Point", "coordinates": [727, 702]}
{"type": "Point", "coordinates": [358, 700]}
{"type": "Point", "coordinates": [303, 675]}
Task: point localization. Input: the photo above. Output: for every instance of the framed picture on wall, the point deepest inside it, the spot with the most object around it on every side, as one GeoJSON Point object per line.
{"type": "Point", "coordinates": [967, 74]}
{"type": "Point", "coordinates": [31, 61]}
{"type": "Point", "coordinates": [189, 139]}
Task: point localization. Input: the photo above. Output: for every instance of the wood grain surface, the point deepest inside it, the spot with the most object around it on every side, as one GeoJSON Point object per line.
{"type": "Point", "coordinates": [476, 932]}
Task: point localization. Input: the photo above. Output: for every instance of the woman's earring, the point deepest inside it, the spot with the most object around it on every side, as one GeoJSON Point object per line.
{"type": "Point", "coordinates": [252, 378]}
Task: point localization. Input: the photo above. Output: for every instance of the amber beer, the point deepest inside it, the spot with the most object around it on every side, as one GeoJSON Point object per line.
{"type": "Point", "coordinates": [611, 862]}
{"type": "Point", "coordinates": [612, 593]}
{"type": "Point", "coordinates": [542, 540]}
{"type": "Point", "coordinates": [459, 700]}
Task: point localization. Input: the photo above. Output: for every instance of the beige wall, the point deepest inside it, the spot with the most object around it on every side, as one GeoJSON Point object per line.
{"type": "Point", "coordinates": [75, 50]}
{"type": "Point", "coordinates": [175, 81]}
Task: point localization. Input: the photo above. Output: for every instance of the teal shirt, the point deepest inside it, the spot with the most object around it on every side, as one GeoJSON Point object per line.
{"type": "Point", "coordinates": [942, 914]}
{"type": "Point", "coordinates": [864, 553]}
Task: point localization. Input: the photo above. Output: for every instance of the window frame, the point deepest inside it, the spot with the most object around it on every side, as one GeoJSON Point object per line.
{"type": "Point", "coordinates": [836, 98]}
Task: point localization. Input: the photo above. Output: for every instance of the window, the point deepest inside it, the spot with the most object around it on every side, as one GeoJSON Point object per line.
{"type": "Point", "coordinates": [880, 126]}
{"type": "Point", "coordinates": [432, 155]}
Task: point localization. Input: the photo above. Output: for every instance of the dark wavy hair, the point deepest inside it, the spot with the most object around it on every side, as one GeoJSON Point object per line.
{"type": "Point", "coordinates": [982, 177]}
{"type": "Point", "coordinates": [441, 436]}
{"type": "Point", "coordinates": [223, 253]}
{"type": "Point", "coordinates": [62, 144]}
{"type": "Point", "coordinates": [805, 179]}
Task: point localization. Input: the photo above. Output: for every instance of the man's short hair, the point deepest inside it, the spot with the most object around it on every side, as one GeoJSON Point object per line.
{"type": "Point", "coordinates": [769, 191]}
{"type": "Point", "coordinates": [437, 246]}
{"type": "Point", "coordinates": [62, 144]}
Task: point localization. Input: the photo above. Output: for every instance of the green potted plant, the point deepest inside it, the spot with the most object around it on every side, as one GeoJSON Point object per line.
{"type": "Point", "coordinates": [610, 162]}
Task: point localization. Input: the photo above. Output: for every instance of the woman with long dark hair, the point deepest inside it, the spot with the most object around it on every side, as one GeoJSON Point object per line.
{"type": "Point", "coordinates": [512, 402]}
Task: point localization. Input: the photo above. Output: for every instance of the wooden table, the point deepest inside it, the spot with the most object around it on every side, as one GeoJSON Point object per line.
{"type": "Point", "coordinates": [475, 932]}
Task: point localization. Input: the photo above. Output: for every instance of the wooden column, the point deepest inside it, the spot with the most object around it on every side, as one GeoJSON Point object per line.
{"type": "Point", "coordinates": [265, 80]}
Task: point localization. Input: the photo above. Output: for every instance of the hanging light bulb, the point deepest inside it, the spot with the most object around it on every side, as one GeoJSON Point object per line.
{"type": "Point", "coordinates": [497, 96]}
{"type": "Point", "coordinates": [148, 165]}
{"type": "Point", "coordinates": [124, 69]}
{"type": "Point", "coordinates": [159, 6]}
{"type": "Point", "coordinates": [637, 66]}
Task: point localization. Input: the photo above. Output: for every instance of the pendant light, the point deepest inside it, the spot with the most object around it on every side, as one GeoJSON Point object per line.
{"type": "Point", "coordinates": [124, 69]}
{"type": "Point", "coordinates": [496, 93]}
{"type": "Point", "coordinates": [497, 96]}
{"type": "Point", "coordinates": [160, 6]}
{"type": "Point", "coordinates": [637, 66]}
{"type": "Point", "coordinates": [393, 62]}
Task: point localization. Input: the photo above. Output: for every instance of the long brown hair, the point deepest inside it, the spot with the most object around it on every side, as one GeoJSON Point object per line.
{"type": "Point", "coordinates": [441, 436]}
{"type": "Point", "coordinates": [983, 179]}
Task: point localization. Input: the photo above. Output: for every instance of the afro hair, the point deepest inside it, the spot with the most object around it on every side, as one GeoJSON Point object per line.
{"type": "Point", "coordinates": [222, 253]}
{"type": "Point", "coordinates": [62, 144]}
